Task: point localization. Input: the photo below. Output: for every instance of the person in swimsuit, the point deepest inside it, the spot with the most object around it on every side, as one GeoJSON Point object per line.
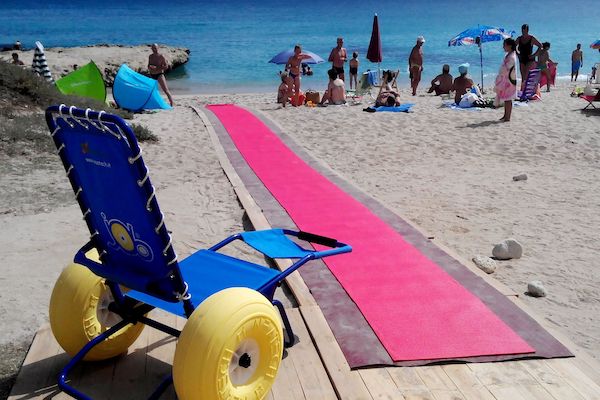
{"type": "Point", "coordinates": [157, 65]}
{"type": "Point", "coordinates": [462, 84]}
{"type": "Point", "coordinates": [415, 64]}
{"type": "Point", "coordinates": [576, 62]}
{"type": "Point", "coordinates": [293, 69]}
{"type": "Point", "coordinates": [525, 52]}
{"type": "Point", "coordinates": [338, 57]}
{"type": "Point", "coordinates": [543, 60]}
{"type": "Point", "coordinates": [354, 70]}
{"type": "Point", "coordinates": [335, 93]}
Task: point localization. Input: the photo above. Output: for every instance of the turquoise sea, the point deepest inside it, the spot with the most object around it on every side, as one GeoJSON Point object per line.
{"type": "Point", "coordinates": [231, 41]}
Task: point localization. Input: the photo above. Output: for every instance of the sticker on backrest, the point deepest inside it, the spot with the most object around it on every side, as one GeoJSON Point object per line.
{"type": "Point", "coordinates": [124, 239]}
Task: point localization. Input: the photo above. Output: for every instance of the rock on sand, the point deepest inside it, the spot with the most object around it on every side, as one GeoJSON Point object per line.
{"type": "Point", "coordinates": [520, 177]}
{"type": "Point", "coordinates": [507, 249]}
{"type": "Point", "coordinates": [536, 289]}
{"type": "Point", "coordinates": [485, 264]}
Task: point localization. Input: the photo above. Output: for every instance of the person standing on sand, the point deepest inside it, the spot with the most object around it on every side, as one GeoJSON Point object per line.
{"type": "Point", "coordinates": [293, 69]}
{"type": "Point", "coordinates": [544, 62]}
{"type": "Point", "coordinates": [157, 65]}
{"type": "Point", "coordinates": [415, 64]}
{"type": "Point", "coordinates": [338, 57]}
{"type": "Point", "coordinates": [525, 44]}
{"type": "Point", "coordinates": [506, 81]}
{"type": "Point", "coordinates": [576, 62]}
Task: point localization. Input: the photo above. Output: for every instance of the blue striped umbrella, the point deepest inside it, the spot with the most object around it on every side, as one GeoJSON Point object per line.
{"type": "Point", "coordinates": [478, 35]}
{"type": "Point", "coordinates": [596, 45]}
{"type": "Point", "coordinates": [283, 57]}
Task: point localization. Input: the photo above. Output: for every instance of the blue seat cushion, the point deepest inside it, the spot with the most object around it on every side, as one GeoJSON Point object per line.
{"type": "Point", "coordinates": [207, 272]}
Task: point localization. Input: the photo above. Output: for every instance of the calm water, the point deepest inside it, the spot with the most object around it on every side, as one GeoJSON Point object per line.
{"type": "Point", "coordinates": [231, 42]}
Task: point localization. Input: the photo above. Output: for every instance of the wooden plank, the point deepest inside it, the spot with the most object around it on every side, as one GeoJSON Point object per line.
{"type": "Point", "coordinates": [509, 373]}
{"type": "Point", "coordinates": [447, 394]}
{"type": "Point", "coordinates": [410, 383]}
{"type": "Point", "coordinates": [287, 384]}
{"type": "Point", "coordinates": [259, 221]}
{"type": "Point", "coordinates": [584, 362]}
{"type": "Point", "coordinates": [159, 353]}
{"type": "Point", "coordinates": [467, 382]}
{"type": "Point", "coordinates": [576, 377]}
{"type": "Point", "coordinates": [553, 382]}
{"type": "Point", "coordinates": [501, 392]}
{"type": "Point", "coordinates": [130, 371]}
{"type": "Point", "coordinates": [348, 384]}
{"type": "Point", "coordinates": [311, 372]}
{"type": "Point", "coordinates": [380, 384]}
{"type": "Point", "coordinates": [435, 378]}
{"type": "Point", "coordinates": [39, 372]}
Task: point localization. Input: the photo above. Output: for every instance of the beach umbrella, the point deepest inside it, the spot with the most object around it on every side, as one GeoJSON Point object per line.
{"type": "Point", "coordinates": [40, 66]}
{"type": "Point", "coordinates": [478, 35]}
{"type": "Point", "coordinates": [374, 52]}
{"type": "Point", "coordinates": [596, 45]}
{"type": "Point", "coordinates": [284, 56]}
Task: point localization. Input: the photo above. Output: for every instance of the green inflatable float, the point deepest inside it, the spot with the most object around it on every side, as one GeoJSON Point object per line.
{"type": "Point", "coordinates": [85, 82]}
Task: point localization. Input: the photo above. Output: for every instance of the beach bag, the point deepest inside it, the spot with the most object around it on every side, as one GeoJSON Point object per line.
{"type": "Point", "coordinates": [301, 99]}
{"type": "Point", "coordinates": [313, 96]}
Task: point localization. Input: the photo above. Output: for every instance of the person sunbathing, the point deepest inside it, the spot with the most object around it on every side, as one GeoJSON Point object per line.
{"type": "Point", "coordinates": [462, 84]}
{"type": "Point", "coordinates": [442, 84]}
{"type": "Point", "coordinates": [284, 90]}
{"type": "Point", "coordinates": [388, 96]}
{"type": "Point", "coordinates": [336, 92]}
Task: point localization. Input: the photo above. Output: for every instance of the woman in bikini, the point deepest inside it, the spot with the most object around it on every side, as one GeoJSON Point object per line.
{"type": "Point", "coordinates": [506, 81]}
{"type": "Point", "coordinates": [293, 69]}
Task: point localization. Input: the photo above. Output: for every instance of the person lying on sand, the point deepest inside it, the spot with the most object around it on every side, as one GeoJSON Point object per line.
{"type": "Point", "coordinates": [335, 93]}
{"type": "Point", "coordinates": [442, 84]}
{"type": "Point", "coordinates": [388, 96]}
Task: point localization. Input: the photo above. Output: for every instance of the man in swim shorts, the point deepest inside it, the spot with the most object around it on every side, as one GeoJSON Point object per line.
{"type": "Point", "coordinates": [338, 57]}
{"type": "Point", "coordinates": [576, 62]}
{"type": "Point", "coordinates": [157, 65]}
{"type": "Point", "coordinates": [415, 64]}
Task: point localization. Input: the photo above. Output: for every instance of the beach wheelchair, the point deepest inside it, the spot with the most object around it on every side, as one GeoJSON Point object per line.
{"type": "Point", "coordinates": [233, 340]}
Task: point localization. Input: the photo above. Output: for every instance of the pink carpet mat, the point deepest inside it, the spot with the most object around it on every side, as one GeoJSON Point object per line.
{"type": "Point", "coordinates": [417, 310]}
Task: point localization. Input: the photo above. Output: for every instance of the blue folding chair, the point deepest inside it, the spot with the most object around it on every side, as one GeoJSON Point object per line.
{"type": "Point", "coordinates": [233, 341]}
{"type": "Point", "coordinates": [531, 84]}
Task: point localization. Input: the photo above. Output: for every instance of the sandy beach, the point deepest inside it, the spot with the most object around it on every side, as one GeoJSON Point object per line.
{"type": "Point", "coordinates": [449, 172]}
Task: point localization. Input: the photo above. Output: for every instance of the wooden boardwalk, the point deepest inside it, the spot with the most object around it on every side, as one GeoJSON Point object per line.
{"type": "Point", "coordinates": [315, 367]}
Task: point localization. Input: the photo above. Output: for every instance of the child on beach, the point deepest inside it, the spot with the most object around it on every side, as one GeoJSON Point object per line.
{"type": "Point", "coordinates": [354, 70]}
{"type": "Point", "coordinates": [283, 93]}
{"type": "Point", "coordinates": [593, 74]}
{"type": "Point", "coordinates": [543, 60]}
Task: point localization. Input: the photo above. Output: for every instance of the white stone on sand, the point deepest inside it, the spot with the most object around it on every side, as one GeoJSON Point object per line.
{"type": "Point", "coordinates": [507, 249]}
{"type": "Point", "coordinates": [485, 264]}
{"type": "Point", "coordinates": [536, 289]}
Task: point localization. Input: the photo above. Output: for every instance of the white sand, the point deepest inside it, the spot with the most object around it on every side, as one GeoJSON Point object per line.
{"type": "Point", "coordinates": [448, 171]}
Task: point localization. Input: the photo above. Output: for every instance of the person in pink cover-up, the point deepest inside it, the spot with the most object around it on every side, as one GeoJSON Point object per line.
{"type": "Point", "coordinates": [506, 81]}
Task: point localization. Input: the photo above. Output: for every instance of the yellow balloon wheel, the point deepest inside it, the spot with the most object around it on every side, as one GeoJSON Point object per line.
{"type": "Point", "coordinates": [230, 348]}
{"type": "Point", "coordinates": [79, 313]}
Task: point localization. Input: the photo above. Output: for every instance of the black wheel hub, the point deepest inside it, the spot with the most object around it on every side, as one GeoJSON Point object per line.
{"type": "Point", "coordinates": [245, 361]}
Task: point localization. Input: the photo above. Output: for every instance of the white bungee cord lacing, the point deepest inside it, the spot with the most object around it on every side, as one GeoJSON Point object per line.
{"type": "Point", "coordinates": [102, 126]}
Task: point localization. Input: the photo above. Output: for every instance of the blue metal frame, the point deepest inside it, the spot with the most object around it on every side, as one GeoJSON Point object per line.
{"type": "Point", "coordinates": [133, 311]}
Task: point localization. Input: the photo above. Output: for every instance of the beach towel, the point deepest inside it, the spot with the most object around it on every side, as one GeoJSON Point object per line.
{"type": "Point", "coordinates": [401, 108]}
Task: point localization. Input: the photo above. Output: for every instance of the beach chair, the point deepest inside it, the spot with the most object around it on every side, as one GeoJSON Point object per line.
{"type": "Point", "coordinates": [232, 342]}
{"type": "Point", "coordinates": [531, 85]}
{"type": "Point", "coordinates": [368, 80]}
{"type": "Point", "coordinates": [591, 100]}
